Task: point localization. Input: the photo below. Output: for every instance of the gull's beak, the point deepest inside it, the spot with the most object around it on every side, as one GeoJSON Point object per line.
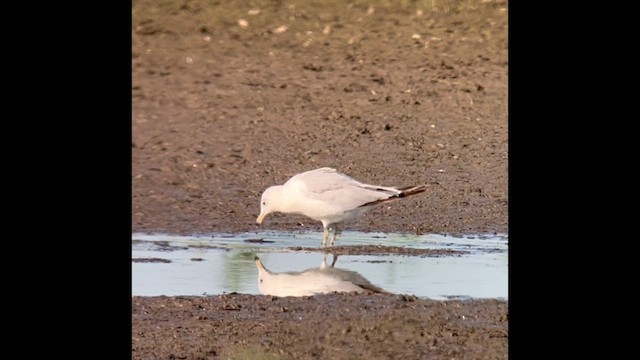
{"type": "Point", "coordinates": [260, 218]}
{"type": "Point", "coordinates": [258, 263]}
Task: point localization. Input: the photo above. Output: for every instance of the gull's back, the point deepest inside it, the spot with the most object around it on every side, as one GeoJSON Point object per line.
{"type": "Point", "coordinates": [324, 194]}
{"type": "Point", "coordinates": [312, 281]}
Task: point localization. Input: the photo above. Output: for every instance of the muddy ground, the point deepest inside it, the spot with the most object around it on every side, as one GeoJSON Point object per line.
{"type": "Point", "coordinates": [230, 97]}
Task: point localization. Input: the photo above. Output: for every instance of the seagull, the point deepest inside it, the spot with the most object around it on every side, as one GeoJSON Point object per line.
{"type": "Point", "coordinates": [321, 280]}
{"type": "Point", "coordinates": [328, 196]}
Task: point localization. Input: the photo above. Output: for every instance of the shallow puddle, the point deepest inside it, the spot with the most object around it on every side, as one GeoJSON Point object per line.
{"type": "Point", "coordinates": [162, 264]}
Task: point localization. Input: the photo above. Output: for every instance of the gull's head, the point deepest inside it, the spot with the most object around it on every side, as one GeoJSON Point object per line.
{"type": "Point", "coordinates": [268, 202]}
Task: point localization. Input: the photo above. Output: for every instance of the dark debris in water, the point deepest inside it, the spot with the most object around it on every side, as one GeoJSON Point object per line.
{"type": "Point", "coordinates": [197, 259]}
{"type": "Point", "coordinates": [203, 246]}
{"type": "Point", "coordinates": [163, 245]}
{"type": "Point", "coordinates": [259, 241]}
{"type": "Point", "coordinates": [150, 260]}
{"type": "Point", "coordinates": [381, 250]}
{"type": "Point", "coordinates": [490, 250]}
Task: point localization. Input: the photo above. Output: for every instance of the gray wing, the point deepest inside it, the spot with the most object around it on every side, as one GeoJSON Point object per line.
{"type": "Point", "coordinates": [354, 278]}
{"type": "Point", "coordinates": [329, 185]}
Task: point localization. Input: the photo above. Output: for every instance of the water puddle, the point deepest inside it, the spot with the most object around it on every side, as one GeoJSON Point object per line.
{"type": "Point", "coordinates": [457, 267]}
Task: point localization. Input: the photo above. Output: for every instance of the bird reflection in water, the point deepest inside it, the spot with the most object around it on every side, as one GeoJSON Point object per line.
{"type": "Point", "coordinates": [324, 279]}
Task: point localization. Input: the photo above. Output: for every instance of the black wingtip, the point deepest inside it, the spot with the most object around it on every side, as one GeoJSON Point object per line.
{"type": "Point", "coordinates": [412, 190]}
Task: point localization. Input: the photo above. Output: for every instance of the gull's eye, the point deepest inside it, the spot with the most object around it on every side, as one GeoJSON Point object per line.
{"type": "Point", "coordinates": [264, 203]}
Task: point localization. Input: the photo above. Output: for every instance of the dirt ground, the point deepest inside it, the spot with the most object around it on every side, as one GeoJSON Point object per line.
{"type": "Point", "coordinates": [230, 97]}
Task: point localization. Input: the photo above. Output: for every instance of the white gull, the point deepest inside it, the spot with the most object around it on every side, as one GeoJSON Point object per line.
{"type": "Point", "coordinates": [321, 280]}
{"type": "Point", "coordinates": [328, 196]}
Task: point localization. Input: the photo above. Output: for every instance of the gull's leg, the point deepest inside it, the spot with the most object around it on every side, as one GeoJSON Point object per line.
{"type": "Point", "coordinates": [324, 238]}
{"type": "Point", "coordinates": [335, 233]}
{"type": "Point", "coordinates": [335, 258]}
{"type": "Point", "coordinates": [324, 261]}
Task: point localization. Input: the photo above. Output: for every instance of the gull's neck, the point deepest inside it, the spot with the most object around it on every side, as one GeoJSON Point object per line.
{"type": "Point", "coordinates": [281, 202]}
{"type": "Point", "coordinates": [287, 199]}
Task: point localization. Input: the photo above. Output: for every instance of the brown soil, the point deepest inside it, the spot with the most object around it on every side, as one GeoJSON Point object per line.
{"type": "Point", "coordinates": [330, 326]}
{"type": "Point", "coordinates": [391, 93]}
